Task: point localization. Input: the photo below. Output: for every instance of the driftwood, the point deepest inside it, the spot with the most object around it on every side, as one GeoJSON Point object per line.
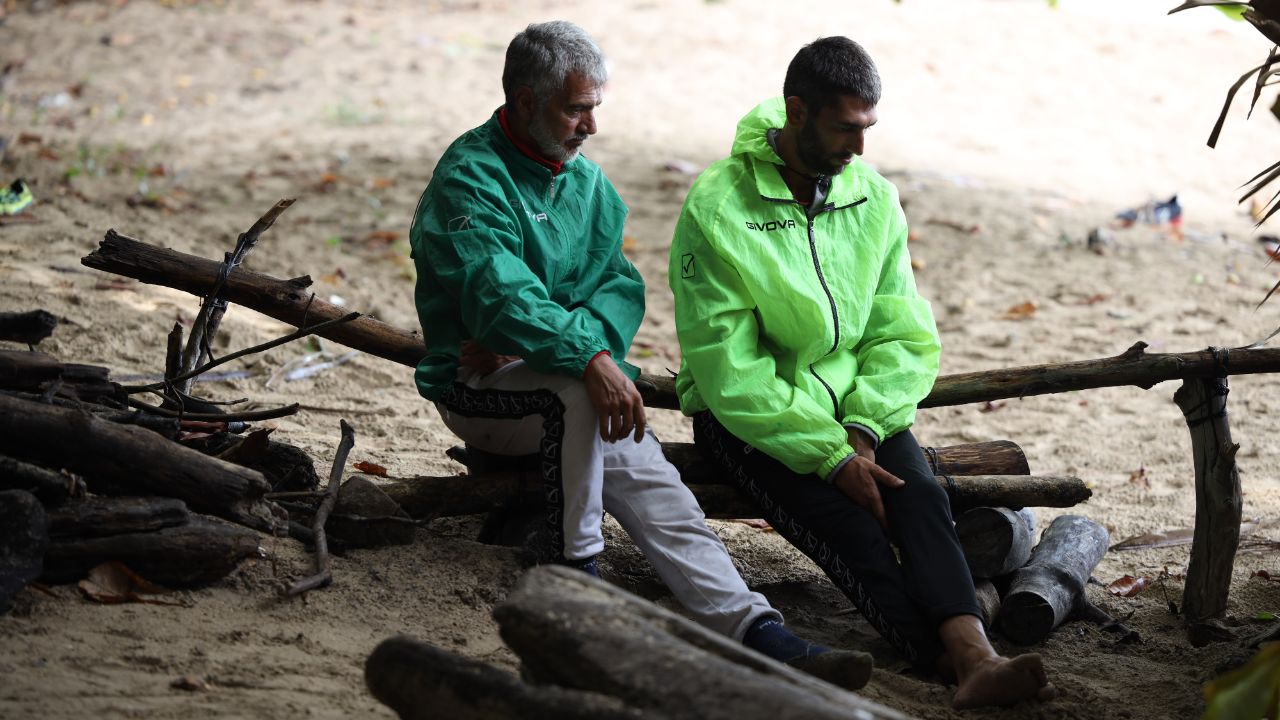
{"type": "Point", "coordinates": [194, 554]}
{"type": "Point", "coordinates": [126, 460]}
{"type": "Point", "coordinates": [996, 540]}
{"type": "Point", "coordinates": [573, 630]}
{"type": "Point", "coordinates": [23, 541]}
{"type": "Point", "coordinates": [27, 327]}
{"type": "Point", "coordinates": [427, 497]}
{"type": "Point", "coordinates": [101, 516]}
{"type": "Point", "coordinates": [1051, 585]}
{"type": "Point", "coordinates": [49, 487]}
{"type": "Point", "coordinates": [287, 301]}
{"type": "Point", "coordinates": [988, 600]}
{"type": "Point", "coordinates": [33, 370]}
{"type": "Point", "coordinates": [1218, 501]}
{"type": "Point", "coordinates": [420, 681]}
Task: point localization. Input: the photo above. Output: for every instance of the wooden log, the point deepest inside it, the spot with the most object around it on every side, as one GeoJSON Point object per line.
{"type": "Point", "coordinates": [102, 516]}
{"type": "Point", "coordinates": [996, 541]}
{"type": "Point", "coordinates": [428, 497]}
{"type": "Point", "coordinates": [286, 300]}
{"type": "Point", "coordinates": [988, 600]}
{"type": "Point", "coordinates": [127, 460]}
{"type": "Point", "coordinates": [190, 555]}
{"type": "Point", "coordinates": [1218, 500]}
{"type": "Point", "coordinates": [420, 681]}
{"type": "Point", "coordinates": [50, 487]}
{"type": "Point", "coordinates": [1048, 588]}
{"type": "Point", "coordinates": [574, 630]}
{"type": "Point", "coordinates": [23, 542]}
{"type": "Point", "coordinates": [27, 327]}
{"type": "Point", "coordinates": [35, 371]}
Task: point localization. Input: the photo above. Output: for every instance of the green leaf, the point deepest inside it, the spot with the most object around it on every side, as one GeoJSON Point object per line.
{"type": "Point", "coordinates": [1268, 616]}
{"type": "Point", "coordinates": [1235, 12]}
{"type": "Point", "coordinates": [334, 241]}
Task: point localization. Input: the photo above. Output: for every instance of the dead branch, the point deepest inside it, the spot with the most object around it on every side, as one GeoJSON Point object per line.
{"type": "Point", "coordinates": [323, 576]}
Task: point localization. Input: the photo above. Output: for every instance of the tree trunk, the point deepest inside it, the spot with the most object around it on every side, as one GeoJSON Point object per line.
{"type": "Point", "coordinates": [127, 460]}
{"type": "Point", "coordinates": [27, 327]}
{"type": "Point", "coordinates": [579, 632]}
{"type": "Point", "coordinates": [420, 681]}
{"type": "Point", "coordinates": [285, 300]}
{"type": "Point", "coordinates": [103, 516]}
{"type": "Point", "coordinates": [1218, 501]}
{"type": "Point", "coordinates": [1045, 591]}
{"type": "Point", "coordinates": [996, 540]}
{"type": "Point", "coordinates": [190, 555]}
{"type": "Point", "coordinates": [431, 497]}
{"type": "Point", "coordinates": [23, 541]}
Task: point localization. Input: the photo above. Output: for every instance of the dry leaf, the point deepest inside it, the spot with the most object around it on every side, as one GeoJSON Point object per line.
{"type": "Point", "coordinates": [193, 683]}
{"type": "Point", "coordinates": [382, 183]}
{"type": "Point", "coordinates": [113, 583]}
{"type": "Point", "coordinates": [628, 243]}
{"type": "Point", "coordinates": [1168, 538]}
{"type": "Point", "coordinates": [1021, 311]}
{"type": "Point", "coordinates": [1264, 575]}
{"type": "Point", "coordinates": [990, 406]}
{"type": "Point", "coordinates": [385, 237]}
{"type": "Point", "coordinates": [1128, 586]}
{"type": "Point", "coordinates": [369, 468]}
{"type": "Point", "coordinates": [1139, 477]}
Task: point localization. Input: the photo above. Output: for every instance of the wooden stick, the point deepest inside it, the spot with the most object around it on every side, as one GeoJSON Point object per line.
{"type": "Point", "coordinates": [285, 300]}
{"type": "Point", "coordinates": [213, 306]}
{"type": "Point", "coordinates": [323, 576]}
{"type": "Point", "coordinates": [50, 487]}
{"type": "Point", "coordinates": [245, 415]}
{"type": "Point", "coordinates": [1218, 500]}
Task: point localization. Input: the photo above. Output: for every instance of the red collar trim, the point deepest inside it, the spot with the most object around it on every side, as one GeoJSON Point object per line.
{"type": "Point", "coordinates": [531, 153]}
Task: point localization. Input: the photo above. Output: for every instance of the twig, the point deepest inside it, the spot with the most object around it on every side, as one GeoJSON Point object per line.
{"type": "Point", "coordinates": [246, 415]}
{"type": "Point", "coordinates": [299, 333]}
{"type": "Point", "coordinates": [323, 576]}
{"type": "Point", "coordinates": [213, 307]}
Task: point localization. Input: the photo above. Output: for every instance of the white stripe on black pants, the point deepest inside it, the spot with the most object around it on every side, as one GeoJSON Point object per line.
{"type": "Point", "coordinates": [519, 411]}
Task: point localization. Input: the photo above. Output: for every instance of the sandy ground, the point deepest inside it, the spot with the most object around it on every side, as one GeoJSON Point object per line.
{"type": "Point", "coordinates": [180, 123]}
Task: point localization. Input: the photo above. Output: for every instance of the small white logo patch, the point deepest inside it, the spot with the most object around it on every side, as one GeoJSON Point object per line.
{"type": "Point", "coordinates": [462, 222]}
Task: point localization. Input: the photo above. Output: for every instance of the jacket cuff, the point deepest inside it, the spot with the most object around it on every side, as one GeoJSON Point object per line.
{"type": "Point", "coordinates": [862, 423]}
{"type": "Point", "coordinates": [875, 437]}
{"type": "Point", "coordinates": [836, 461]}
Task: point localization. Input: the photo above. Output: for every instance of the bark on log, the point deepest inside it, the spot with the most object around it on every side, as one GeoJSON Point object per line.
{"type": "Point", "coordinates": [286, 299]}
{"type": "Point", "coordinates": [996, 540]}
{"type": "Point", "coordinates": [576, 631]}
{"type": "Point", "coordinates": [988, 600]}
{"type": "Point", "coordinates": [23, 541]}
{"type": "Point", "coordinates": [104, 516]}
{"type": "Point", "coordinates": [35, 371]}
{"type": "Point", "coordinates": [190, 555]}
{"type": "Point", "coordinates": [50, 488]}
{"type": "Point", "coordinates": [1218, 501]}
{"type": "Point", "coordinates": [27, 327]}
{"type": "Point", "coordinates": [127, 460]}
{"type": "Point", "coordinates": [427, 497]}
{"type": "Point", "coordinates": [1047, 589]}
{"type": "Point", "coordinates": [420, 681]}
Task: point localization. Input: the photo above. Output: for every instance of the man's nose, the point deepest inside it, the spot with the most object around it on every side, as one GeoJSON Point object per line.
{"type": "Point", "coordinates": [859, 142]}
{"type": "Point", "coordinates": [587, 123]}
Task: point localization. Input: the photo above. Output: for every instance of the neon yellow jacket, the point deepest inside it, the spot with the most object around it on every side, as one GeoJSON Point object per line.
{"type": "Point", "coordinates": [792, 328]}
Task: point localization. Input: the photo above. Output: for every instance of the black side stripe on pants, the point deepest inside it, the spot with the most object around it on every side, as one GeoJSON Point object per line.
{"type": "Point", "coordinates": [514, 405]}
{"type": "Point", "coordinates": [797, 534]}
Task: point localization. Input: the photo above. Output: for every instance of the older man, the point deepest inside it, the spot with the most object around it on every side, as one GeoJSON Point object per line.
{"type": "Point", "coordinates": [806, 349]}
{"type": "Point", "coordinates": [528, 307]}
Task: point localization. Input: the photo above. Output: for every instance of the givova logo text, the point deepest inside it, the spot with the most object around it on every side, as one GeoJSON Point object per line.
{"type": "Point", "coordinates": [771, 225]}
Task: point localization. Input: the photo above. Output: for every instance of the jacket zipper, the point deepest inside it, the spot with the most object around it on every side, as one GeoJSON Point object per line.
{"type": "Point", "coordinates": [822, 280]}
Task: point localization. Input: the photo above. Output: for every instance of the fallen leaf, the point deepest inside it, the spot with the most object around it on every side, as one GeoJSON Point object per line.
{"type": "Point", "coordinates": [1168, 538]}
{"type": "Point", "coordinates": [113, 583]}
{"type": "Point", "coordinates": [1266, 616]}
{"type": "Point", "coordinates": [251, 450]}
{"type": "Point", "coordinates": [192, 683]}
{"type": "Point", "coordinates": [1251, 691]}
{"type": "Point", "coordinates": [1264, 575]}
{"type": "Point", "coordinates": [1139, 477]}
{"type": "Point", "coordinates": [1021, 311]}
{"type": "Point", "coordinates": [1094, 299]}
{"type": "Point", "coordinates": [369, 468]}
{"type": "Point", "coordinates": [628, 243]}
{"type": "Point", "coordinates": [382, 183]}
{"type": "Point", "coordinates": [917, 264]}
{"type": "Point", "coordinates": [990, 406]}
{"type": "Point", "coordinates": [1128, 586]}
{"type": "Point", "coordinates": [382, 236]}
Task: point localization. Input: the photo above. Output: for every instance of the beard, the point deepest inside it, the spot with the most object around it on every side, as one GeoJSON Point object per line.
{"type": "Point", "coordinates": [547, 143]}
{"type": "Point", "coordinates": [812, 153]}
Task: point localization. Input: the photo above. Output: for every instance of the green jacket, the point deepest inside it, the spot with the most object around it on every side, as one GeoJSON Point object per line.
{"type": "Point", "coordinates": [791, 328]}
{"type": "Point", "coordinates": [523, 261]}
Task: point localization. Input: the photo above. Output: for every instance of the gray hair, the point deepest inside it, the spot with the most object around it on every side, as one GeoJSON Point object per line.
{"type": "Point", "coordinates": [542, 57]}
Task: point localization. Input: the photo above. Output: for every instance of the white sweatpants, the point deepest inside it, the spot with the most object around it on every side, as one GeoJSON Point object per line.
{"type": "Point", "coordinates": [519, 411]}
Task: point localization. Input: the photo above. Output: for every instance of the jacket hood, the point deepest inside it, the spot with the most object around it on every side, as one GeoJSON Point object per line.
{"type": "Point", "coordinates": [753, 128]}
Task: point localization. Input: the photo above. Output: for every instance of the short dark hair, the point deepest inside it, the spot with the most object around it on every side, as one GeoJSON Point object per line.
{"type": "Point", "coordinates": [829, 67]}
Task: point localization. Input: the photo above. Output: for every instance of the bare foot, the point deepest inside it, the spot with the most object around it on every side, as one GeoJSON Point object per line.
{"type": "Point", "coordinates": [1004, 681]}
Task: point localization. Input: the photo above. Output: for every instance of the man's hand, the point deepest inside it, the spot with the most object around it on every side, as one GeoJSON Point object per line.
{"type": "Point", "coordinates": [861, 478]}
{"type": "Point", "coordinates": [474, 356]}
{"type": "Point", "coordinates": [616, 400]}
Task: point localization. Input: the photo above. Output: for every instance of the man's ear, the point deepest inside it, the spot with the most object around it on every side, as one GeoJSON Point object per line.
{"type": "Point", "coordinates": [797, 111]}
{"type": "Point", "coordinates": [524, 102]}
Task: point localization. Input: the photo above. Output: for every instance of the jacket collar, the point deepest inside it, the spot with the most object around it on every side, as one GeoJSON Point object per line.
{"type": "Point", "coordinates": [752, 142]}
{"type": "Point", "coordinates": [521, 156]}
